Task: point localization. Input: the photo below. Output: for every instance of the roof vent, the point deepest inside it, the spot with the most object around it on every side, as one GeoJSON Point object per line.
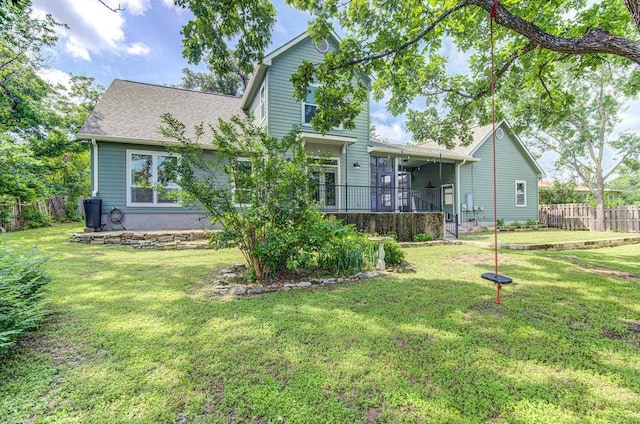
{"type": "Point", "coordinates": [499, 133]}
{"type": "Point", "coordinates": [323, 46]}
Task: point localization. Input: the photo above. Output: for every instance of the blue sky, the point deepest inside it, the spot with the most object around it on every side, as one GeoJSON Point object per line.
{"type": "Point", "coordinates": [143, 43]}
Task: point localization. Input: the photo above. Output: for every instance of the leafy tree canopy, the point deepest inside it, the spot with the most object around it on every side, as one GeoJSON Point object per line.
{"type": "Point", "coordinates": [405, 45]}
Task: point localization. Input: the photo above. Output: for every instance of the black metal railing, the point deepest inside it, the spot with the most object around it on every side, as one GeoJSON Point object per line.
{"type": "Point", "coordinates": [356, 198]}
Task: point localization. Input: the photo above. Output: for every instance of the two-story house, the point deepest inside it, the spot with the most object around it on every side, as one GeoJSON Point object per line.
{"type": "Point", "coordinates": [356, 173]}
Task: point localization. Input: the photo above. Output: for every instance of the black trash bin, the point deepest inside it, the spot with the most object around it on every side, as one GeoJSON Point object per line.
{"type": "Point", "coordinates": [92, 213]}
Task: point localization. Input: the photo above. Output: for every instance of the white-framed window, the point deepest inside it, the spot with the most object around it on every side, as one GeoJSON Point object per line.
{"type": "Point", "coordinates": [145, 171]}
{"type": "Point", "coordinates": [263, 102]}
{"type": "Point", "coordinates": [242, 182]}
{"type": "Point", "coordinates": [309, 106]}
{"type": "Point", "coordinates": [521, 193]}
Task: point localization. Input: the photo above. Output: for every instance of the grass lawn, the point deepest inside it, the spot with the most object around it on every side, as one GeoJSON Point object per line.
{"type": "Point", "coordinates": [134, 337]}
{"type": "Point", "coordinates": [543, 236]}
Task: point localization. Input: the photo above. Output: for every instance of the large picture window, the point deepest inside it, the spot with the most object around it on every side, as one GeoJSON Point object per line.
{"type": "Point", "coordinates": [521, 193]}
{"type": "Point", "coordinates": [146, 170]}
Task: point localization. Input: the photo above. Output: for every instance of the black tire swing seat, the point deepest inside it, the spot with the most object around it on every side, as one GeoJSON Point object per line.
{"type": "Point", "coordinates": [497, 278]}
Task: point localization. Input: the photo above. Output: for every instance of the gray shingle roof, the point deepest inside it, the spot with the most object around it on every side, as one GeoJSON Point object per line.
{"type": "Point", "coordinates": [130, 111]}
{"type": "Point", "coordinates": [478, 134]}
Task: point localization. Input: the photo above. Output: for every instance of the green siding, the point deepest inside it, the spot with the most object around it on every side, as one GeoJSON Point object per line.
{"type": "Point", "coordinates": [112, 179]}
{"type": "Point", "coordinates": [285, 111]}
{"type": "Point", "coordinates": [511, 164]}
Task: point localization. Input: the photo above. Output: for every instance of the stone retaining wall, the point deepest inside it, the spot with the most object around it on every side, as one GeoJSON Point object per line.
{"type": "Point", "coordinates": [162, 240]}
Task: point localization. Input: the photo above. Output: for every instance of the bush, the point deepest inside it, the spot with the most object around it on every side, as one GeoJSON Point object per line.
{"type": "Point", "coordinates": [423, 237]}
{"type": "Point", "coordinates": [393, 253]}
{"type": "Point", "coordinates": [531, 223]}
{"type": "Point", "coordinates": [31, 217]}
{"type": "Point", "coordinates": [21, 304]}
{"type": "Point", "coordinates": [500, 222]}
{"type": "Point", "coordinates": [347, 253]}
{"type": "Point", "coordinates": [515, 224]}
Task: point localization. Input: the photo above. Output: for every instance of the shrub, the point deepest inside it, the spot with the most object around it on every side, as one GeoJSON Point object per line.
{"type": "Point", "coordinates": [32, 217]}
{"type": "Point", "coordinates": [531, 223]}
{"type": "Point", "coordinates": [21, 304]}
{"type": "Point", "coordinates": [393, 253]}
{"type": "Point", "coordinates": [515, 224]}
{"type": "Point", "coordinates": [500, 222]}
{"type": "Point", "coordinates": [423, 237]}
{"type": "Point", "coordinates": [348, 252]}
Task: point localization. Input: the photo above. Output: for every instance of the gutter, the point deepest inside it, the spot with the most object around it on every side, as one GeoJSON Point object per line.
{"type": "Point", "coordinates": [94, 192]}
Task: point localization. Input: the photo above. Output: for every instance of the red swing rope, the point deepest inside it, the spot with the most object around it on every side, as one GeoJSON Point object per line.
{"type": "Point", "coordinates": [493, 137]}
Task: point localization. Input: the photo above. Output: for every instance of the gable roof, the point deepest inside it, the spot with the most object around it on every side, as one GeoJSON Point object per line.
{"type": "Point", "coordinates": [130, 112]}
{"type": "Point", "coordinates": [480, 135]}
{"type": "Point", "coordinates": [261, 69]}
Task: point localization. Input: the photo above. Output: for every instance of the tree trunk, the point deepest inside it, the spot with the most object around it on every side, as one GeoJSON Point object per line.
{"type": "Point", "coordinates": [599, 195]}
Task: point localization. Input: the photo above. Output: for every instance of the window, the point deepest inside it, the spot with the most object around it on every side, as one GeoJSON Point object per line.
{"type": "Point", "coordinates": [263, 102]}
{"type": "Point", "coordinates": [521, 193]}
{"type": "Point", "coordinates": [145, 171]}
{"type": "Point", "coordinates": [309, 107]}
{"type": "Point", "coordinates": [242, 182]}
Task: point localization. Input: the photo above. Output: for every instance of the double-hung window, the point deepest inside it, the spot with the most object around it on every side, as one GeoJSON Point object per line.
{"type": "Point", "coordinates": [242, 182]}
{"type": "Point", "coordinates": [521, 193]}
{"type": "Point", "coordinates": [309, 106]}
{"type": "Point", "coordinates": [149, 182]}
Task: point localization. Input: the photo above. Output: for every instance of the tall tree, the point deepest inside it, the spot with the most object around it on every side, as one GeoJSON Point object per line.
{"type": "Point", "coordinates": [404, 44]}
{"type": "Point", "coordinates": [582, 136]}
{"type": "Point", "coordinates": [38, 120]}
{"type": "Point", "coordinates": [231, 84]}
{"type": "Point", "coordinates": [628, 181]}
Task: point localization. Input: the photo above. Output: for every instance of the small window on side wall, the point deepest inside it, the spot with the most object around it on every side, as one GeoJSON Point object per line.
{"type": "Point", "coordinates": [521, 193]}
{"type": "Point", "coordinates": [263, 102]}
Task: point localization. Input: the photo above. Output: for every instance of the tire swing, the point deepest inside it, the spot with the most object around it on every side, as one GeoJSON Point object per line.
{"type": "Point", "coordinates": [498, 279]}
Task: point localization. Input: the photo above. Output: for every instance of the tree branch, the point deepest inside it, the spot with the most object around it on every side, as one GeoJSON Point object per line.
{"type": "Point", "coordinates": [634, 9]}
{"type": "Point", "coordinates": [595, 40]}
{"type": "Point", "coordinates": [116, 9]}
{"type": "Point", "coordinates": [406, 44]}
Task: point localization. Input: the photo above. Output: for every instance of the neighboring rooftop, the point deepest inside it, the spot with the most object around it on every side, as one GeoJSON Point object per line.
{"type": "Point", "coordinates": [131, 111]}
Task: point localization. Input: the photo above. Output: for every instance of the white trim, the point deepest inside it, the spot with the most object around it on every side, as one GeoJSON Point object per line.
{"type": "Point", "coordinates": [524, 182]}
{"type": "Point", "coordinates": [154, 154]}
{"type": "Point", "coordinates": [94, 192]}
{"type": "Point", "coordinates": [339, 182]}
{"type": "Point", "coordinates": [145, 142]}
{"type": "Point", "coordinates": [262, 101]}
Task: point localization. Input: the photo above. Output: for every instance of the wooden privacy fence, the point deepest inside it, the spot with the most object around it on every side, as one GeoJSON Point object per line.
{"type": "Point", "coordinates": [581, 216]}
{"type": "Point", "coordinates": [12, 217]}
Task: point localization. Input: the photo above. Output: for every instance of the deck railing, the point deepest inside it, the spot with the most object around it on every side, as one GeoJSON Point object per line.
{"type": "Point", "coordinates": [356, 198]}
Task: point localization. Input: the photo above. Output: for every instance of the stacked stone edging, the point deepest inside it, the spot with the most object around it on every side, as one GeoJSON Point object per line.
{"type": "Point", "coordinates": [572, 245]}
{"type": "Point", "coordinates": [159, 240]}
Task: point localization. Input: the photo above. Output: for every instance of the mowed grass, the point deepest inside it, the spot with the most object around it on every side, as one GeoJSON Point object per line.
{"type": "Point", "coordinates": [135, 337]}
{"type": "Point", "coordinates": [543, 236]}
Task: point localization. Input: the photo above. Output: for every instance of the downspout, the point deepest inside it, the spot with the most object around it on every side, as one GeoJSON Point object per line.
{"type": "Point", "coordinates": [458, 166]}
{"type": "Point", "coordinates": [94, 192]}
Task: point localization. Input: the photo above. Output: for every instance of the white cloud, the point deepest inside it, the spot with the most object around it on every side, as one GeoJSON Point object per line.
{"type": "Point", "coordinates": [94, 29]}
{"type": "Point", "coordinates": [138, 49]}
{"type": "Point", "coordinates": [55, 76]}
{"type": "Point", "coordinates": [394, 132]}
